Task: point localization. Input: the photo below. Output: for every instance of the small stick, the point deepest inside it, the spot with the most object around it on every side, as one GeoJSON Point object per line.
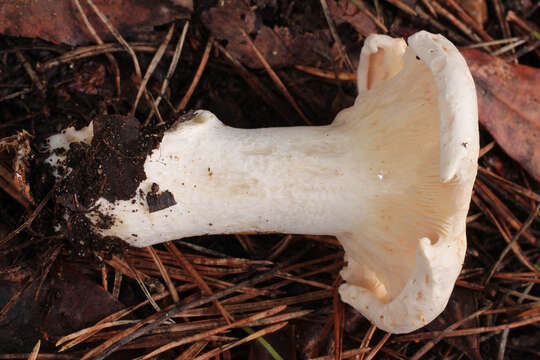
{"type": "Point", "coordinates": [458, 23]}
{"type": "Point", "coordinates": [164, 273]}
{"type": "Point", "coordinates": [402, 6]}
{"type": "Point", "coordinates": [275, 78]}
{"type": "Point", "coordinates": [214, 331]}
{"type": "Point", "coordinates": [151, 322]}
{"type": "Point", "coordinates": [440, 27]}
{"type": "Point", "coordinates": [515, 247]}
{"type": "Point", "coordinates": [31, 218]}
{"type": "Point", "coordinates": [204, 60]}
{"type": "Point", "coordinates": [341, 49]}
{"type": "Point", "coordinates": [98, 39]}
{"type": "Point", "coordinates": [153, 64]}
{"type": "Point", "coordinates": [366, 340]}
{"type": "Point", "coordinates": [378, 347]}
{"type": "Point", "coordinates": [30, 71]}
{"type": "Point", "coordinates": [427, 4]}
{"type": "Point", "coordinates": [465, 332]}
{"type": "Point", "coordinates": [508, 247]}
{"type": "Point", "coordinates": [469, 20]}
{"type": "Point", "coordinates": [117, 284]}
{"type": "Point", "coordinates": [190, 269]}
{"type": "Point", "coordinates": [344, 76]}
{"type": "Point", "coordinates": [499, 11]}
{"type": "Point", "coordinates": [125, 45]}
{"type": "Point", "coordinates": [35, 351]}
{"type": "Point", "coordinates": [430, 344]}
{"type": "Point", "coordinates": [104, 281]}
{"type": "Point", "coordinates": [370, 15]}
{"type": "Point", "coordinates": [255, 335]}
{"type": "Point", "coordinates": [170, 72]}
{"type": "Point", "coordinates": [255, 84]}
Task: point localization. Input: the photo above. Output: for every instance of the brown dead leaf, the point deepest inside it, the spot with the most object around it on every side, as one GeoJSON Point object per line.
{"type": "Point", "coordinates": [59, 21]}
{"type": "Point", "coordinates": [68, 301]}
{"type": "Point", "coordinates": [278, 46]}
{"type": "Point", "coordinates": [346, 11]}
{"type": "Point", "coordinates": [509, 106]}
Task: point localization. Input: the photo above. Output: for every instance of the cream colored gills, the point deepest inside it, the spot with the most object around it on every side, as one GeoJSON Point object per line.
{"type": "Point", "coordinates": [391, 178]}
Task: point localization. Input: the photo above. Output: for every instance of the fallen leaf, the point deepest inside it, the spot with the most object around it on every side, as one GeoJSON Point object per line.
{"type": "Point", "coordinates": [509, 106]}
{"type": "Point", "coordinates": [68, 301]}
{"type": "Point", "coordinates": [347, 12]}
{"type": "Point", "coordinates": [277, 45]}
{"type": "Point", "coordinates": [33, 18]}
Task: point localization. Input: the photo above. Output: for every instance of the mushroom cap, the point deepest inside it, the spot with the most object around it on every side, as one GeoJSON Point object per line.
{"type": "Point", "coordinates": [405, 254]}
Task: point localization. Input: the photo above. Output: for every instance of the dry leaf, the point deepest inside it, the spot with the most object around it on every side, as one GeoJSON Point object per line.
{"type": "Point", "coordinates": [277, 45]}
{"type": "Point", "coordinates": [509, 106]}
{"type": "Point", "coordinates": [346, 11]}
{"type": "Point", "coordinates": [59, 21]}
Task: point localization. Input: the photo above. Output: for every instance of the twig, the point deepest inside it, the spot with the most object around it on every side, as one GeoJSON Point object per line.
{"type": "Point", "coordinates": [440, 27]}
{"type": "Point", "coordinates": [508, 47]}
{"type": "Point", "coordinates": [190, 269]}
{"type": "Point", "coordinates": [458, 23]}
{"type": "Point", "coordinates": [466, 332]}
{"type": "Point", "coordinates": [204, 60]}
{"type": "Point", "coordinates": [345, 76]}
{"type": "Point", "coordinates": [524, 227]}
{"type": "Point", "coordinates": [493, 42]}
{"type": "Point", "coordinates": [430, 344]}
{"type": "Point", "coordinates": [515, 187]}
{"type": "Point", "coordinates": [402, 6]}
{"type": "Point", "coordinates": [214, 331]}
{"type": "Point", "coordinates": [16, 94]}
{"type": "Point", "coordinates": [31, 218]}
{"type": "Point", "coordinates": [126, 46]}
{"type": "Point", "coordinates": [275, 78]}
{"type": "Point", "coordinates": [35, 351]}
{"type": "Point", "coordinates": [370, 15]}
{"type": "Point", "coordinates": [366, 340]}
{"type": "Point", "coordinates": [469, 20]}
{"type": "Point", "coordinates": [341, 49]}
{"type": "Point", "coordinates": [515, 247]}
{"type": "Point", "coordinates": [499, 11]}
{"type": "Point", "coordinates": [500, 208]}
{"type": "Point", "coordinates": [255, 335]}
{"type": "Point", "coordinates": [164, 273]}
{"type": "Point", "coordinates": [170, 72]}
{"type": "Point", "coordinates": [255, 84]}
{"type": "Point", "coordinates": [151, 322]}
{"type": "Point", "coordinates": [345, 355]}
{"type": "Point", "coordinates": [192, 351]}
{"type": "Point", "coordinates": [378, 347]}
{"type": "Point", "coordinates": [118, 37]}
{"type": "Point", "coordinates": [98, 40]}
{"type": "Point", "coordinates": [427, 3]}
{"type": "Point", "coordinates": [31, 73]}
{"type": "Point", "coordinates": [116, 284]}
{"type": "Point", "coordinates": [153, 64]}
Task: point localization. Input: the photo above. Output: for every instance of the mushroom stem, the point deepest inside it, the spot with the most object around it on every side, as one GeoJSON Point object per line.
{"type": "Point", "coordinates": [391, 178]}
{"type": "Point", "coordinates": [229, 180]}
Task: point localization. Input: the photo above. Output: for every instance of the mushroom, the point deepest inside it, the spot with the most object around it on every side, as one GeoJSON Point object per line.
{"type": "Point", "coordinates": [391, 178]}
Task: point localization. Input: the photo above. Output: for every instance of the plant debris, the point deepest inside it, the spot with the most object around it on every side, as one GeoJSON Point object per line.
{"type": "Point", "coordinates": [67, 294]}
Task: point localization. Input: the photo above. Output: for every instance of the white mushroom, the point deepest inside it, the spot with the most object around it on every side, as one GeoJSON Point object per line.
{"type": "Point", "coordinates": [391, 178]}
